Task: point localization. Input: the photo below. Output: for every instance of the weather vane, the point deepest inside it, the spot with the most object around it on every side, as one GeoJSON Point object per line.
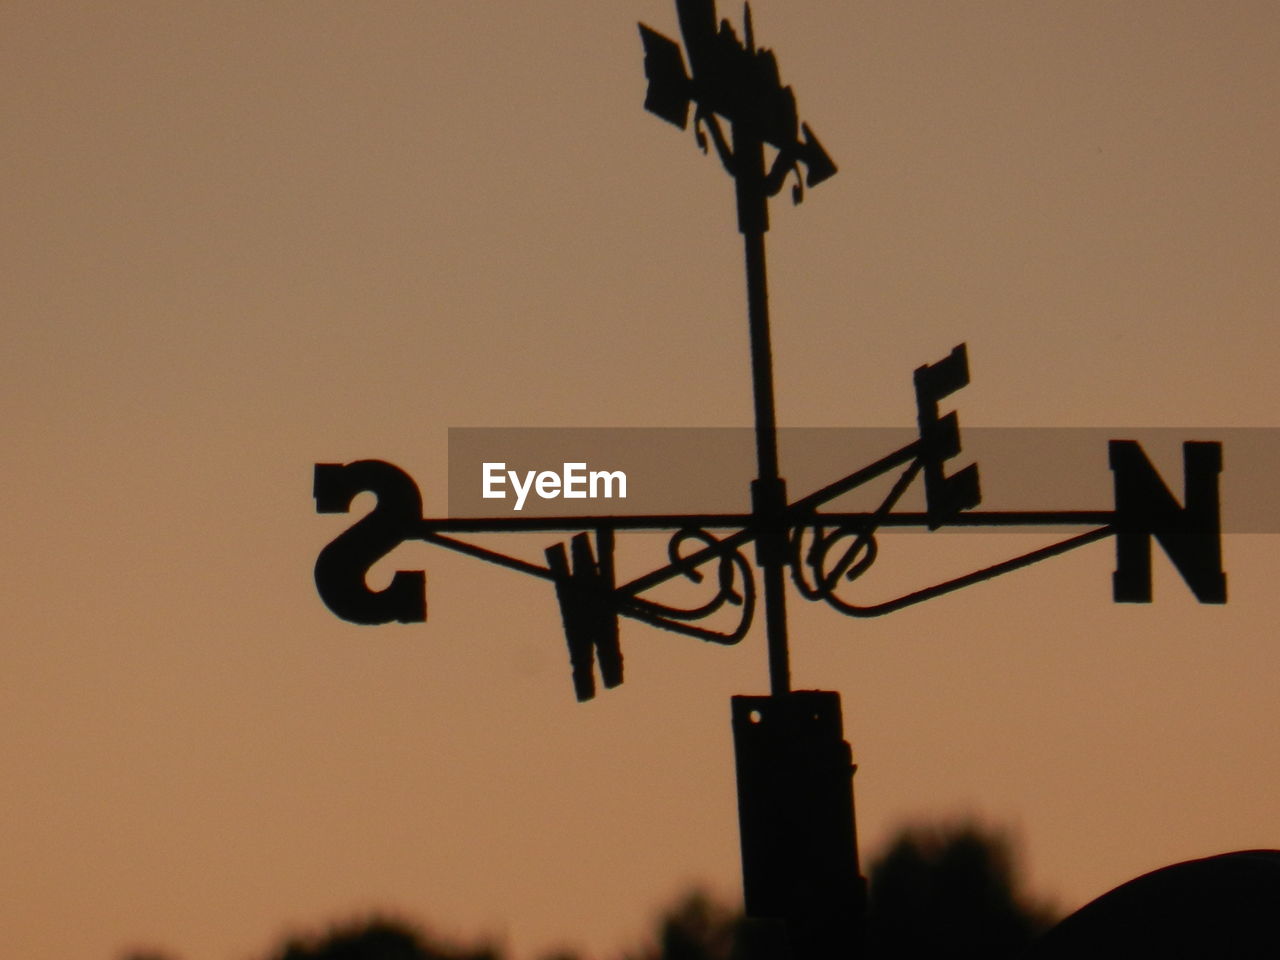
{"type": "Point", "coordinates": [794, 769]}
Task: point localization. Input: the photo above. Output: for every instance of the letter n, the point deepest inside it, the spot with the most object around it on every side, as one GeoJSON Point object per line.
{"type": "Point", "coordinates": [1190, 533]}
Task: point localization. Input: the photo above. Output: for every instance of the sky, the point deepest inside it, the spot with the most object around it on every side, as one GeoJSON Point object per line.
{"type": "Point", "coordinates": [243, 238]}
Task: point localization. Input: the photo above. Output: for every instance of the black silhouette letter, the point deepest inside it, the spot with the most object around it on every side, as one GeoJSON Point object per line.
{"type": "Point", "coordinates": [1189, 533]}
{"type": "Point", "coordinates": [342, 565]}
{"type": "Point", "coordinates": [940, 439]}
{"type": "Point", "coordinates": [586, 607]}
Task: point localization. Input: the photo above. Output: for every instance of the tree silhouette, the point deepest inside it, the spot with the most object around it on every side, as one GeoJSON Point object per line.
{"type": "Point", "coordinates": [935, 891]}
{"type": "Point", "coordinates": [699, 927]}
{"type": "Point", "coordinates": [696, 927]}
{"type": "Point", "coordinates": [950, 892]}
{"type": "Point", "coordinates": [378, 939]}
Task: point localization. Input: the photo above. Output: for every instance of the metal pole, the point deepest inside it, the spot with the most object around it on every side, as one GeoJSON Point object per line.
{"type": "Point", "coordinates": [795, 772]}
{"type": "Point", "coordinates": [768, 492]}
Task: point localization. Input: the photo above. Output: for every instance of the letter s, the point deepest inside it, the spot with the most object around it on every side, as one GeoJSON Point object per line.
{"type": "Point", "coordinates": [342, 565]}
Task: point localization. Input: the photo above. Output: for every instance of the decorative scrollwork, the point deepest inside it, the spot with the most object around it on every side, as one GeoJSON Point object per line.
{"type": "Point", "coordinates": [730, 566]}
{"type": "Point", "coordinates": [785, 164]}
{"type": "Point", "coordinates": [702, 116]}
{"type": "Point", "coordinates": [856, 559]}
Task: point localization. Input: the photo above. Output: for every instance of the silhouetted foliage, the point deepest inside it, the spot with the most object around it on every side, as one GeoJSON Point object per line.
{"type": "Point", "coordinates": [378, 939]}
{"type": "Point", "coordinates": [695, 928]}
{"type": "Point", "coordinates": [935, 891]}
{"type": "Point", "coordinates": [698, 927]}
{"type": "Point", "coordinates": [950, 892]}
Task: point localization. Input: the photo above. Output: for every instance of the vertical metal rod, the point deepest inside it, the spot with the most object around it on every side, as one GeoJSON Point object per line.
{"type": "Point", "coordinates": [775, 619]}
{"type": "Point", "coordinates": [761, 357]}
{"type": "Point", "coordinates": [770, 499]}
{"type": "Point", "coordinates": [768, 493]}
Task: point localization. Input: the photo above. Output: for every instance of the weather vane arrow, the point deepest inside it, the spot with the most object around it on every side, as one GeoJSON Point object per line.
{"type": "Point", "coordinates": [799, 846]}
{"type": "Point", "coordinates": [734, 80]}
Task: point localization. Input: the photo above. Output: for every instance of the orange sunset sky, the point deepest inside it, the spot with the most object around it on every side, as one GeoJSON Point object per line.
{"type": "Point", "coordinates": [240, 238]}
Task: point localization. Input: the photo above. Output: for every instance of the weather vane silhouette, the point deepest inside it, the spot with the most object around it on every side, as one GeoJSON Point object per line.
{"type": "Point", "coordinates": [794, 769]}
